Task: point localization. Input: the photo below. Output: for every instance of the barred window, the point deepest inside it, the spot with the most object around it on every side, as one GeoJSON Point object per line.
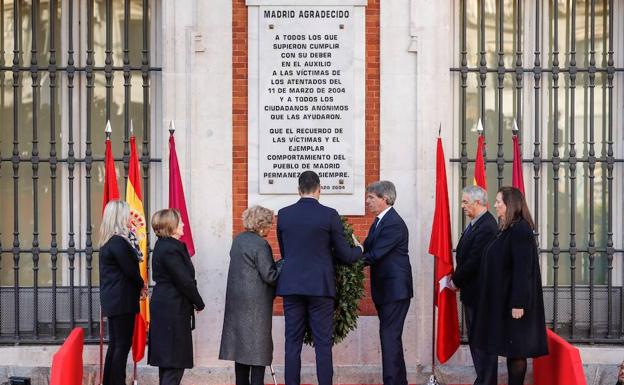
{"type": "Point", "coordinates": [555, 67]}
{"type": "Point", "coordinates": [66, 67]}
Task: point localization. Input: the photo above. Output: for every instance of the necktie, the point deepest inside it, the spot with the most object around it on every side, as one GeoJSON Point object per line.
{"type": "Point", "coordinates": [373, 226]}
{"type": "Point", "coordinates": [468, 229]}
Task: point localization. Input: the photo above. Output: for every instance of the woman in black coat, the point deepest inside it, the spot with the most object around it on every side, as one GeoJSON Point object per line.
{"type": "Point", "coordinates": [120, 288]}
{"type": "Point", "coordinates": [174, 300]}
{"type": "Point", "coordinates": [510, 316]}
{"type": "Point", "coordinates": [246, 337]}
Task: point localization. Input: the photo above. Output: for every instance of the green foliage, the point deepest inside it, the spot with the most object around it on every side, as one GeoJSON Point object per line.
{"type": "Point", "coordinates": [349, 291]}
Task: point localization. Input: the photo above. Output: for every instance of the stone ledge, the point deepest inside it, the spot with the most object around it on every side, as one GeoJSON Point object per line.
{"type": "Point", "coordinates": [600, 374]}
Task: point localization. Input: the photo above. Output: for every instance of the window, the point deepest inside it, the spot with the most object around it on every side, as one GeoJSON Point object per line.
{"type": "Point", "coordinates": [66, 67]}
{"type": "Point", "coordinates": [555, 67]}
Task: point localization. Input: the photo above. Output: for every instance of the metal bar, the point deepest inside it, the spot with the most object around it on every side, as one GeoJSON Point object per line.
{"type": "Point", "coordinates": [127, 85]}
{"type": "Point", "coordinates": [482, 72]}
{"type": "Point", "coordinates": [555, 164]}
{"type": "Point", "coordinates": [135, 68]}
{"type": "Point", "coordinates": [71, 159]}
{"type": "Point", "coordinates": [35, 163]}
{"type": "Point", "coordinates": [108, 61]}
{"type": "Point", "coordinates": [572, 168]}
{"type": "Point", "coordinates": [592, 165]}
{"type": "Point", "coordinates": [2, 79]}
{"type": "Point", "coordinates": [53, 162]}
{"type": "Point", "coordinates": [610, 250]}
{"type": "Point", "coordinates": [145, 157]}
{"type": "Point", "coordinates": [88, 149]}
{"type": "Point", "coordinates": [537, 77]}
{"type": "Point", "coordinates": [501, 80]}
{"type": "Point", "coordinates": [16, 104]}
{"type": "Point", "coordinates": [463, 86]}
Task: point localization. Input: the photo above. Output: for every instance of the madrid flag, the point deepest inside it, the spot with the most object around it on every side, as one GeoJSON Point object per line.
{"type": "Point", "coordinates": [440, 247]}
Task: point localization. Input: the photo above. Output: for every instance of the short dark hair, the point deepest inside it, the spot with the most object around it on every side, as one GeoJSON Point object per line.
{"type": "Point", "coordinates": [308, 182]}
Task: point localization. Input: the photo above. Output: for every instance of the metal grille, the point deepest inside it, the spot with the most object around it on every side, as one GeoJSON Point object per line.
{"type": "Point", "coordinates": [57, 91]}
{"type": "Point", "coordinates": [568, 118]}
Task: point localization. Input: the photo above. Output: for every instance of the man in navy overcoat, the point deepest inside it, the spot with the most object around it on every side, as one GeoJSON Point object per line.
{"type": "Point", "coordinates": [311, 237]}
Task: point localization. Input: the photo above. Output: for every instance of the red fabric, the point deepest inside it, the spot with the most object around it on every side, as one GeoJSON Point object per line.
{"type": "Point", "coordinates": [111, 192]}
{"type": "Point", "coordinates": [139, 338]}
{"type": "Point", "coordinates": [517, 180]}
{"type": "Point", "coordinates": [441, 248]}
{"type": "Point", "coordinates": [67, 361]}
{"type": "Point", "coordinates": [176, 195]}
{"type": "Point", "coordinates": [562, 365]}
{"type": "Point", "coordinates": [480, 178]}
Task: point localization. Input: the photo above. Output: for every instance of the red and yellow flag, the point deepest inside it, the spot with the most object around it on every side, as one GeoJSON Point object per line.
{"type": "Point", "coordinates": [134, 197]}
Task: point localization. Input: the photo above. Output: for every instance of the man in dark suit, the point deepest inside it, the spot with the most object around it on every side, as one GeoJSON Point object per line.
{"type": "Point", "coordinates": [386, 251]}
{"type": "Point", "coordinates": [479, 232]}
{"type": "Point", "coordinates": [310, 236]}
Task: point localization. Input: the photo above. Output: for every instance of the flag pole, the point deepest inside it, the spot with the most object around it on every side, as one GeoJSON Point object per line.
{"type": "Point", "coordinates": [432, 378]}
{"type": "Point", "coordinates": [108, 130]}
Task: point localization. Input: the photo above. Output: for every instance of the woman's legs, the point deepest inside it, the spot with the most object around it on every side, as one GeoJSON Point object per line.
{"type": "Point", "coordinates": [257, 375]}
{"type": "Point", "coordinates": [120, 329]}
{"type": "Point", "coordinates": [242, 373]}
{"type": "Point", "coordinates": [516, 370]}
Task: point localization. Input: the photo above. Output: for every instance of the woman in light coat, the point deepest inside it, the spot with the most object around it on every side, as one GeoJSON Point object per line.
{"type": "Point", "coordinates": [246, 337]}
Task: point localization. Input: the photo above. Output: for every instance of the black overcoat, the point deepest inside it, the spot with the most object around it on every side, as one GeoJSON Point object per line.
{"type": "Point", "coordinates": [469, 251]}
{"type": "Point", "coordinates": [247, 323]}
{"type": "Point", "coordinates": [173, 301]}
{"type": "Point", "coordinates": [120, 279]}
{"type": "Point", "coordinates": [510, 278]}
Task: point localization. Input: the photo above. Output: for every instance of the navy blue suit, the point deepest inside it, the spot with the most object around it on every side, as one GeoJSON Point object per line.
{"type": "Point", "coordinates": [310, 237]}
{"type": "Point", "coordinates": [386, 251]}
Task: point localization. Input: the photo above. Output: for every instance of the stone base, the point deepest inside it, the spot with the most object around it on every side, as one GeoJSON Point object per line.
{"type": "Point", "coordinates": [598, 374]}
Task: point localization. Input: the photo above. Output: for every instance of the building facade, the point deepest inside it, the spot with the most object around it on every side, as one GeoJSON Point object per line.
{"type": "Point", "coordinates": [420, 69]}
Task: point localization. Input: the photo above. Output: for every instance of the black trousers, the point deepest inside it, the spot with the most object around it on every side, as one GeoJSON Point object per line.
{"type": "Point", "coordinates": [170, 376]}
{"type": "Point", "coordinates": [120, 329]}
{"type": "Point", "coordinates": [391, 321]}
{"type": "Point", "coordinates": [242, 372]}
{"type": "Point", "coordinates": [486, 364]}
{"type": "Point", "coordinates": [319, 313]}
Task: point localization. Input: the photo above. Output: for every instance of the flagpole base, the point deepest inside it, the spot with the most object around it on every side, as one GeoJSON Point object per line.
{"type": "Point", "coordinates": [433, 380]}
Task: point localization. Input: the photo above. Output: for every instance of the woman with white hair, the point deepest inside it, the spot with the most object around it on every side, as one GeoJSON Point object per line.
{"type": "Point", "coordinates": [246, 337]}
{"type": "Point", "coordinates": [121, 286]}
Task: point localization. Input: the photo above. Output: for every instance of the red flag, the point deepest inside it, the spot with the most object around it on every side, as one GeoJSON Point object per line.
{"type": "Point", "coordinates": [517, 179]}
{"type": "Point", "coordinates": [176, 195]}
{"type": "Point", "coordinates": [134, 197]}
{"type": "Point", "coordinates": [480, 178]}
{"type": "Point", "coordinates": [440, 247]}
{"type": "Point", "coordinates": [111, 192]}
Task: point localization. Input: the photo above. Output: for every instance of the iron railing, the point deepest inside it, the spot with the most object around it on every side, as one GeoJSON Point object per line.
{"type": "Point", "coordinates": [31, 313]}
{"type": "Point", "coordinates": [583, 312]}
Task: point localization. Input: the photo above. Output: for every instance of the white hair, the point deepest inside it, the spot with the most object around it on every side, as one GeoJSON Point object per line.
{"type": "Point", "coordinates": [476, 193]}
{"type": "Point", "coordinates": [114, 220]}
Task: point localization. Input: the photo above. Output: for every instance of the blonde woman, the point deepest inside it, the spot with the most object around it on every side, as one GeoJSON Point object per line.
{"type": "Point", "coordinates": [174, 300]}
{"type": "Point", "coordinates": [120, 288]}
{"type": "Point", "coordinates": [246, 337]}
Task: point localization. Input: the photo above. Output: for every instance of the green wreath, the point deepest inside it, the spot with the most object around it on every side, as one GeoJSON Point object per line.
{"type": "Point", "coordinates": [349, 292]}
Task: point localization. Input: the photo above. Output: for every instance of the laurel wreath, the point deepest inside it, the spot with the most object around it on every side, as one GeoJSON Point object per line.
{"type": "Point", "coordinates": [349, 292]}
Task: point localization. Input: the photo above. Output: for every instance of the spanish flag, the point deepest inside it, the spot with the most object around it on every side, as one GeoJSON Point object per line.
{"type": "Point", "coordinates": [135, 201]}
